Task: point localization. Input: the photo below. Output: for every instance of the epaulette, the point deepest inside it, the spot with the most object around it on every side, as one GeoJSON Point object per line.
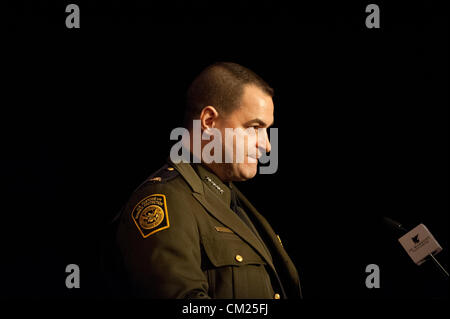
{"type": "Point", "coordinates": [163, 175]}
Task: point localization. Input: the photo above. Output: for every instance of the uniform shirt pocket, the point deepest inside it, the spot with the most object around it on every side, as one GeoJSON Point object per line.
{"type": "Point", "coordinates": [237, 270]}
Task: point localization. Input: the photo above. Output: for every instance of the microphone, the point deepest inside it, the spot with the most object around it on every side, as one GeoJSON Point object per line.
{"type": "Point", "coordinates": [419, 243]}
{"type": "Point", "coordinates": [394, 224]}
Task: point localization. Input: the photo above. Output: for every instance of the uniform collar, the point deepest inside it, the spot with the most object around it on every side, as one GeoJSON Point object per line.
{"type": "Point", "coordinates": [189, 174]}
{"type": "Point", "coordinates": [219, 188]}
{"type": "Point", "coordinates": [198, 176]}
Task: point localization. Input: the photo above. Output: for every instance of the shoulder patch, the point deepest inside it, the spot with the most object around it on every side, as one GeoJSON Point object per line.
{"type": "Point", "coordinates": [150, 215]}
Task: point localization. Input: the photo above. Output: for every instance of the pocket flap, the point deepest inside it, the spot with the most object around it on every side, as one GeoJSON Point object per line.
{"type": "Point", "coordinates": [230, 250]}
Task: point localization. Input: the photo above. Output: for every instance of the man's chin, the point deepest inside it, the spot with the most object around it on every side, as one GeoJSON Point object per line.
{"type": "Point", "coordinates": [247, 171]}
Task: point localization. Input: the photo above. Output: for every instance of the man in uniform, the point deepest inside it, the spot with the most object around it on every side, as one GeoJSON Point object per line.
{"type": "Point", "coordinates": [187, 231]}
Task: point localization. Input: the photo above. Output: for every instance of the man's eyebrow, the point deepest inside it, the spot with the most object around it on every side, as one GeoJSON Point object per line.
{"type": "Point", "coordinates": [260, 122]}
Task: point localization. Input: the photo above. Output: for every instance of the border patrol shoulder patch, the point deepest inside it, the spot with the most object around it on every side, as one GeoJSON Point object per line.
{"type": "Point", "coordinates": [150, 215]}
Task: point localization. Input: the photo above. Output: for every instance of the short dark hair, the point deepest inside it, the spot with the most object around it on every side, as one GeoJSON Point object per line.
{"type": "Point", "coordinates": [220, 85]}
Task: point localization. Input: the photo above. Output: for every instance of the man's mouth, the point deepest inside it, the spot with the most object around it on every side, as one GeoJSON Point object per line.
{"type": "Point", "coordinates": [254, 158]}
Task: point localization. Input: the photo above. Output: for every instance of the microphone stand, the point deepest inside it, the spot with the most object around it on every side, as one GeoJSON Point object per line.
{"type": "Point", "coordinates": [438, 265]}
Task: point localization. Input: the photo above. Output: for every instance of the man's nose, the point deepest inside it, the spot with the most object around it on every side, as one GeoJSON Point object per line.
{"type": "Point", "coordinates": [263, 141]}
{"type": "Point", "coordinates": [268, 146]}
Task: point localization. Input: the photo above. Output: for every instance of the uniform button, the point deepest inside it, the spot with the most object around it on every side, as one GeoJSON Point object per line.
{"type": "Point", "coordinates": [276, 296]}
{"type": "Point", "coordinates": [239, 258]}
{"type": "Point", "coordinates": [170, 168]}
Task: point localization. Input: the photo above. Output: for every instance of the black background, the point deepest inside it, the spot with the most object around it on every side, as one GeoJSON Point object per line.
{"type": "Point", "coordinates": [362, 117]}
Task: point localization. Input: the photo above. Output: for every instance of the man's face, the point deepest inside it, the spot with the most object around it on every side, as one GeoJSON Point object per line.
{"type": "Point", "coordinates": [254, 112]}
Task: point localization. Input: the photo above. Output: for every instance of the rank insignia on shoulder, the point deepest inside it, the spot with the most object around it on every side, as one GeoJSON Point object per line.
{"type": "Point", "coordinates": [221, 229]}
{"type": "Point", "coordinates": [279, 239]}
{"type": "Point", "coordinates": [150, 215]}
{"type": "Point", "coordinates": [163, 175]}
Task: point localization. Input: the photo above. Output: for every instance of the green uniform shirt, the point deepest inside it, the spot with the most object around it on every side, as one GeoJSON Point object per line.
{"type": "Point", "coordinates": [179, 238]}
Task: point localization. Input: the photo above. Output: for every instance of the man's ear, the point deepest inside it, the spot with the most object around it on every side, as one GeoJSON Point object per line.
{"type": "Point", "coordinates": [208, 117]}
